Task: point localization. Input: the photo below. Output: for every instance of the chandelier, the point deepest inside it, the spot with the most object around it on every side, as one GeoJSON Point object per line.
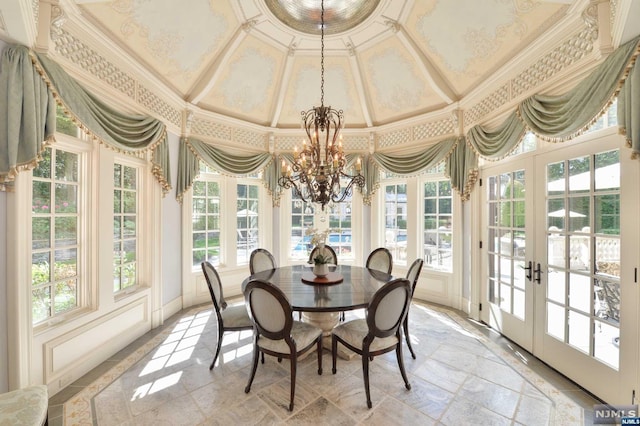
{"type": "Point", "coordinates": [317, 169]}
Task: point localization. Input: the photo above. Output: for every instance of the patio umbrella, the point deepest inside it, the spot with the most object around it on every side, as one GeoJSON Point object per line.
{"type": "Point", "coordinates": [562, 213]}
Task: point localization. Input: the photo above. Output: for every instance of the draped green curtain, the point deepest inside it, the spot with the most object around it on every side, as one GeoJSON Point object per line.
{"type": "Point", "coordinates": [560, 118]}
{"type": "Point", "coordinates": [499, 142]}
{"type": "Point", "coordinates": [192, 151]}
{"type": "Point", "coordinates": [462, 168]}
{"type": "Point", "coordinates": [629, 110]}
{"type": "Point", "coordinates": [27, 108]}
{"type": "Point", "coordinates": [27, 114]}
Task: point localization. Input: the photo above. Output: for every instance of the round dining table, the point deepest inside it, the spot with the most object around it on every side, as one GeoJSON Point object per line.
{"type": "Point", "coordinates": [321, 303]}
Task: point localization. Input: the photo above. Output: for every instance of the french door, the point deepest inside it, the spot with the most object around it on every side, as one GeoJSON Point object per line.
{"type": "Point", "coordinates": [560, 265]}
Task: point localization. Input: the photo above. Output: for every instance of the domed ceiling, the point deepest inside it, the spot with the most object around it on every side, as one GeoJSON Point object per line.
{"type": "Point", "coordinates": [387, 62]}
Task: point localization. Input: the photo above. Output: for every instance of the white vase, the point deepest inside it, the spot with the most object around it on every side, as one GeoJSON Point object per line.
{"type": "Point", "coordinates": [320, 269]}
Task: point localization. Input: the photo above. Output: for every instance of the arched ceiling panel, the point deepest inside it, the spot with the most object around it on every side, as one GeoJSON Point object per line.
{"type": "Point", "coordinates": [469, 39]}
{"type": "Point", "coordinates": [395, 82]}
{"type": "Point", "coordinates": [302, 91]}
{"type": "Point", "coordinates": [175, 42]}
{"type": "Point", "coordinates": [248, 82]}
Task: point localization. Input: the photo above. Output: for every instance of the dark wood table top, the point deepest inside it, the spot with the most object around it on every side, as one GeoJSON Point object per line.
{"type": "Point", "coordinates": [358, 286]}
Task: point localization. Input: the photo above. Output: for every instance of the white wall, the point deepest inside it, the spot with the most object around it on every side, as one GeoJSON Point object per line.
{"type": "Point", "coordinates": [171, 236]}
{"type": "Point", "coordinates": [4, 380]}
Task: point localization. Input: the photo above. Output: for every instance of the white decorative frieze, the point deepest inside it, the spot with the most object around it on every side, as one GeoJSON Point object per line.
{"type": "Point", "coordinates": [251, 138]}
{"type": "Point", "coordinates": [529, 80]}
{"type": "Point", "coordinates": [398, 137]}
{"type": "Point", "coordinates": [156, 104]}
{"type": "Point", "coordinates": [487, 105]}
{"type": "Point", "coordinates": [210, 129]}
{"type": "Point", "coordinates": [286, 143]}
{"type": "Point", "coordinates": [434, 129]}
{"type": "Point", "coordinates": [95, 64]}
{"type": "Point", "coordinates": [35, 6]}
{"type": "Point", "coordinates": [570, 52]}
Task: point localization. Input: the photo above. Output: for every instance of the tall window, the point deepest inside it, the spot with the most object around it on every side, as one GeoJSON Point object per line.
{"type": "Point", "coordinates": [438, 224]}
{"type": "Point", "coordinates": [247, 221]}
{"type": "Point", "coordinates": [206, 221]}
{"type": "Point", "coordinates": [301, 220]}
{"type": "Point", "coordinates": [340, 237]}
{"type": "Point", "coordinates": [395, 224]}
{"type": "Point", "coordinates": [125, 227]}
{"type": "Point", "coordinates": [55, 235]}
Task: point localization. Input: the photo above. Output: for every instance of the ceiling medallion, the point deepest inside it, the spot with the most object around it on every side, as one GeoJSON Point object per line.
{"type": "Point", "coordinates": [339, 15]}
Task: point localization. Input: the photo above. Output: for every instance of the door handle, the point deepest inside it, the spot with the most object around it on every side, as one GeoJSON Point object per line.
{"type": "Point", "coordinates": [529, 268]}
{"type": "Point", "coordinates": [538, 271]}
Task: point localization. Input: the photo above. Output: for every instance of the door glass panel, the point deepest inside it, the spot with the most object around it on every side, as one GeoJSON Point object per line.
{"type": "Point", "coordinates": [579, 331]}
{"type": "Point", "coordinates": [584, 259]}
{"type": "Point", "coordinates": [556, 250]}
{"type": "Point", "coordinates": [506, 245]}
{"type": "Point", "coordinates": [607, 343]}
{"type": "Point", "coordinates": [556, 285]}
{"type": "Point", "coordinates": [579, 292]}
{"type": "Point", "coordinates": [555, 321]}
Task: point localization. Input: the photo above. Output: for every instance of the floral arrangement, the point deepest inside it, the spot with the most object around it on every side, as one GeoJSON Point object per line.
{"type": "Point", "coordinates": [322, 259]}
{"type": "Point", "coordinates": [317, 237]}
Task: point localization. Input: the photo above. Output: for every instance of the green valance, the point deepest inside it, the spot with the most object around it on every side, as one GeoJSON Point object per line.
{"type": "Point", "coordinates": [27, 115]}
{"type": "Point", "coordinates": [124, 132]}
{"type": "Point", "coordinates": [498, 143]}
{"type": "Point", "coordinates": [192, 151]}
{"type": "Point", "coordinates": [462, 168]}
{"type": "Point", "coordinates": [563, 117]}
{"type": "Point", "coordinates": [629, 109]}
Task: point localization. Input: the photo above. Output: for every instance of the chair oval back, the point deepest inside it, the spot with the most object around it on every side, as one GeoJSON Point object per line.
{"type": "Point", "coordinates": [414, 273]}
{"type": "Point", "coordinates": [261, 260]}
{"type": "Point", "coordinates": [381, 260]}
{"type": "Point", "coordinates": [388, 307]}
{"type": "Point", "coordinates": [269, 309]}
{"type": "Point", "coordinates": [214, 284]}
{"type": "Point", "coordinates": [328, 251]}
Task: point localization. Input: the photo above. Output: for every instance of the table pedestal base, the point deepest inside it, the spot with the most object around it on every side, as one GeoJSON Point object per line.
{"type": "Point", "coordinates": [327, 321]}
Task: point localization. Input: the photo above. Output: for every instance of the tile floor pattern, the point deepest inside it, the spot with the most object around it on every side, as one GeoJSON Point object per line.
{"type": "Point", "coordinates": [464, 374]}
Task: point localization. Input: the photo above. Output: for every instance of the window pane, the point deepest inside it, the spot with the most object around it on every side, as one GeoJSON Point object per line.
{"type": "Point", "coordinates": [396, 222]}
{"type": "Point", "coordinates": [205, 221]}
{"type": "Point", "coordinates": [125, 227]}
{"type": "Point", "coordinates": [55, 234]}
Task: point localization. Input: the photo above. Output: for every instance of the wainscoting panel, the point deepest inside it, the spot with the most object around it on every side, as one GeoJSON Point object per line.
{"type": "Point", "coordinates": [72, 354]}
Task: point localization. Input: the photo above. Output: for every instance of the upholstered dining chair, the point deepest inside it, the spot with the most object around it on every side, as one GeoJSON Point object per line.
{"type": "Point", "coordinates": [380, 260]}
{"type": "Point", "coordinates": [275, 331]}
{"type": "Point", "coordinates": [328, 251]}
{"type": "Point", "coordinates": [261, 260]}
{"type": "Point", "coordinates": [412, 275]}
{"type": "Point", "coordinates": [230, 318]}
{"type": "Point", "coordinates": [380, 332]}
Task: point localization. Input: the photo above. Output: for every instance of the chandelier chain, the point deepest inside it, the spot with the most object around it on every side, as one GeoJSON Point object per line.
{"type": "Point", "coordinates": [322, 53]}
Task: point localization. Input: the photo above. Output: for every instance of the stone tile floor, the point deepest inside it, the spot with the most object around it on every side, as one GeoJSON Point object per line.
{"type": "Point", "coordinates": [464, 374]}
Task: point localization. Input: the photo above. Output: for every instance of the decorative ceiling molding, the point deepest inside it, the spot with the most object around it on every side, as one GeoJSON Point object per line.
{"type": "Point", "coordinates": [80, 55]}
{"type": "Point", "coordinates": [191, 119]}
{"type": "Point", "coordinates": [532, 78]}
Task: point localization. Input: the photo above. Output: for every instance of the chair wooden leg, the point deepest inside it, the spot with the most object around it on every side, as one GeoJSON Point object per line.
{"type": "Point", "coordinates": [253, 369]}
{"type": "Point", "coordinates": [401, 365]}
{"type": "Point", "coordinates": [220, 335]}
{"type": "Point", "coordinates": [334, 351]}
{"type": "Point", "coordinates": [320, 354]}
{"type": "Point", "coordinates": [405, 325]}
{"type": "Point", "coordinates": [365, 373]}
{"type": "Point", "coordinates": [294, 362]}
